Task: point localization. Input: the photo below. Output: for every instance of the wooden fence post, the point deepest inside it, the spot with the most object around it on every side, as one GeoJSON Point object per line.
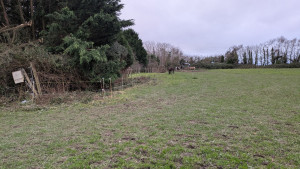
{"type": "Point", "coordinates": [122, 83]}
{"type": "Point", "coordinates": [29, 82]}
{"type": "Point", "coordinates": [37, 81]}
{"type": "Point", "coordinates": [103, 87]}
{"type": "Point", "coordinates": [110, 86]}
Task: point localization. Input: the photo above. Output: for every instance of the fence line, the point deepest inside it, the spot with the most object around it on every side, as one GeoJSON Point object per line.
{"type": "Point", "coordinates": [105, 86]}
{"type": "Point", "coordinates": [61, 86]}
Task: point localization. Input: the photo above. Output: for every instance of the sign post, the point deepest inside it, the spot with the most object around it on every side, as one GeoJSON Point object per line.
{"type": "Point", "coordinates": [18, 77]}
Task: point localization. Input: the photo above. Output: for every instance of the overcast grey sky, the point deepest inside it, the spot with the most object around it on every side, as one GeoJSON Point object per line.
{"type": "Point", "coordinates": [205, 27]}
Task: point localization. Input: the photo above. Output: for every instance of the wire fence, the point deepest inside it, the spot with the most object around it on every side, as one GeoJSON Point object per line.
{"type": "Point", "coordinates": [105, 87]}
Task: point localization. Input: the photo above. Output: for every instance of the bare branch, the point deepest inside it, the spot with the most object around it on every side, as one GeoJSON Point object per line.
{"type": "Point", "coordinates": [8, 28]}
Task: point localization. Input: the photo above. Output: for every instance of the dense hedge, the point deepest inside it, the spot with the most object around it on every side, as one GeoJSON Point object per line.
{"type": "Point", "coordinates": [277, 66]}
{"type": "Point", "coordinates": [292, 65]}
{"type": "Point", "coordinates": [241, 66]}
{"type": "Point", "coordinates": [215, 66]}
{"type": "Point", "coordinates": [50, 67]}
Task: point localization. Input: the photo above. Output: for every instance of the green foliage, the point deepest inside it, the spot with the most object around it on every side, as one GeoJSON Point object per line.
{"type": "Point", "coordinates": [244, 58]}
{"type": "Point", "coordinates": [182, 62]}
{"type": "Point", "coordinates": [292, 65]}
{"type": "Point", "coordinates": [86, 8]}
{"type": "Point", "coordinates": [128, 57]}
{"type": "Point", "coordinates": [110, 69]}
{"type": "Point", "coordinates": [273, 58]}
{"type": "Point", "coordinates": [90, 32]}
{"type": "Point", "coordinates": [117, 51]}
{"type": "Point", "coordinates": [296, 59]}
{"type": "Point", "coordinates": [267, 56]}
{"type": "Point", "coordinates": [264, 61]}
{"type": "Point", "coordinates": [83, 52]}
{"type": "Point", "coordinates": [62, 24]}
{"type": "Point", "coordinates": [222, 59]}
{"type": "Point", "coordinates": [250, 59]}
{"type": "Point", "coordinates": [87, 35]}
{"type": "Point", "coordinates": [101, 28]}
{"type": "Point", "coordinates": [278, 59]}
{"type": "Point", "coordinates": [284, 58]}
{"type": "Point", "coordinates": [256, 58]}
{"type": "Point", "coordinates": [232, 57]}
{"type": "Point", "coordinates": [214, 65]}
{"type": "Point", "coordinates": [137, 46]}
{"type": "Point", "coordinates": [84, 57]}
{"type": "Point", "coordinates": [157, 58]}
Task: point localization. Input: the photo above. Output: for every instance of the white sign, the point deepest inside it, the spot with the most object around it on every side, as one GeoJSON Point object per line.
{"type": "Point", "coordinates": [18, 77]}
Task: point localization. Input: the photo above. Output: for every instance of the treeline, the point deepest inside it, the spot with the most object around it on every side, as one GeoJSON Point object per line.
{"type": "Point", "coordinates": [89, 37]}
{"type": "Point", "coordinates": [279, 52]}
{"type": "Point", "coordinates": [276, 53]}
{"type": "Point", "coordinates": [164, 54]}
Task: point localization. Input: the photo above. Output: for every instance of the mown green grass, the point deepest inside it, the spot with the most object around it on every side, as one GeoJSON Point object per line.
{"type": "Point", "coordinates": [217, 118]}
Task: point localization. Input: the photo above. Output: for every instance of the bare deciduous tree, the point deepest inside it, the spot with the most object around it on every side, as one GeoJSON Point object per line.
{"type": "Point", "coordinates": [167, 54]}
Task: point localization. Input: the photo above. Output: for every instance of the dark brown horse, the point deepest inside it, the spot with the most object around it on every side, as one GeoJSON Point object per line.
{"type": "Point", "coordinates": [171, 70]}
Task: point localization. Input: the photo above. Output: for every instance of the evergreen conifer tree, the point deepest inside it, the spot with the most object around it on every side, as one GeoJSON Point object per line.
{"type": "Point", "coordinates": [244, 58]}
{"type": "Point", "coordinates": [137, 46]}
{"type": "Point", "coordinates": [273, 58]}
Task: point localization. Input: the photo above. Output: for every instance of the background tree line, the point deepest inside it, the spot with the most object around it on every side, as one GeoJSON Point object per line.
{"type": "Point", "coordinates": [164, 54]}
{"type": "Point", "coordinates": [279, 52]}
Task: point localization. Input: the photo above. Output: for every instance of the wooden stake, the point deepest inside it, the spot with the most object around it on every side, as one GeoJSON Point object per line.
{"type": "Point", "coordinates": [20, 92]}
{"type": "Point", "coordinates": [103, 85]}
{"type": "Point", "coordinates": [37, 81]}
{"type": "Point", "coordinates": [29, 82]}
{"type": "Point", "coordinates": [110, 88]}
{"type": "Point", "coordinates": [122, 83]}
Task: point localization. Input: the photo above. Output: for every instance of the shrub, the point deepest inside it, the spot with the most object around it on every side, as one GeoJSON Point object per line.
{"type": "Point", "coordinates": [215, 66]}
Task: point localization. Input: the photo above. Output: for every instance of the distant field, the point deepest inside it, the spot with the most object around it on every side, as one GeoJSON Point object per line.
{"type": "Point", "coordinates": [210, 119]}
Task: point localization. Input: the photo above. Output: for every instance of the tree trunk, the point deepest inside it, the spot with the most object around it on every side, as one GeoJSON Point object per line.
{"type": "Point", "coordinates": [44, 24]}
{"type": "Point", "coordinates": [49, 6]}
{"type": "Point", "coordinates": [21, 11]}
{"type": "Point", "coordinates": [43, 17]}
{"type": "Point", "coordinates": [4, 13]}
{"type": "Point", "coordinates": [32, 19]}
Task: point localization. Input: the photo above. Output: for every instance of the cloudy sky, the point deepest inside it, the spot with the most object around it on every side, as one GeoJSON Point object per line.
{"type": "Point", "coordinates": [206, 27]}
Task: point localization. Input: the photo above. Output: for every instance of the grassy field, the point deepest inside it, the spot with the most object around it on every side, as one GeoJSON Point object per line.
{"type": "Point", "coordinates": [209, 119]}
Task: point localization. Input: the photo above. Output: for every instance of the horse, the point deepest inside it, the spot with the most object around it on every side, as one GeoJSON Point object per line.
{"type": "Point", "coordinates": [171, 70]}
